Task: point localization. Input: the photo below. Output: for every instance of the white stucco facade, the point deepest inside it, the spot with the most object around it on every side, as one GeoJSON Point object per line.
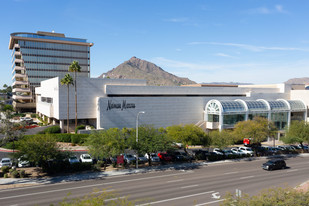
{"type": "Point", "coordinates": [115, 102]}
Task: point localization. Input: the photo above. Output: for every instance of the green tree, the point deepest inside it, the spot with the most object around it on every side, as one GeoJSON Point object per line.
{"type": "Point", "coordinates": [187, 135]}
{"type": "Point", "coordinates": [270, 197]}
{"type": "Point", "coordinates": [150, 140]}
{"type": "Point", "coordinates": [106, 143]}
{"type": "Point", "coordinates": [221, 139]}
{"type": "Point", "coordinates": [75, 67]}
{"type": "Point", "coordinates": [67, 80]}
{"type": "Point", "coordinates": [297, 132]}
{"type": "Point", "coordinates": [12, 131]}
{"type": "Point", "coordinates": [39, 149]}
{"type": "Point", "coordinates": [257, 129]}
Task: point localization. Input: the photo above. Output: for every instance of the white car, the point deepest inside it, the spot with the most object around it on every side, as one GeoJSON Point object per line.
{"type": "Point", "coordinates": [23, 163]}
{"type": "Point", "coordinates": [154, 157]}
{"type": "Point", "coordinates": [247, 150]}
{"type": "Point", "coordinates": [218, 151]}
{"type": "Point", "coordinates": [238, 151]}
{"type": "Point", "coordinates": [86, 158]}
{"type": "Point", "coordinates": [5, 162]}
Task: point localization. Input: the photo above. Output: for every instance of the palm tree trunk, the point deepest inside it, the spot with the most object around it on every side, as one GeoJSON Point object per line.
{"type": "Point", "coordinates": [75, 100]}
{"type": "Point", "coordinates": [68, 115]}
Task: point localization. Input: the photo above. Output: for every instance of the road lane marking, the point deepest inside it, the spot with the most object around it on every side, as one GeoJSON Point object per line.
{"type": "Point", "coordinates": [247, 177]}
{"type": "Point", "coordinates": [294, 170]}
{"type": "Point", "coordinates": [102, 191]}
{"type": "Point", "coordinates": [211, 202]}
{"type": "Point", "coordinates": [188, 186]}
{"type": "Point", "coordinates": [87, 186]}
{"type": "Point", "coordinates": [175, 198]}
{"type": "Point", "coordinates": [171, 181]}
{"type": "Point", "coordinates": [216, 195]}
{"type": "Point", "coordinates": [229, 173]}
{"type": "Point", "coordinates": [116, 198]}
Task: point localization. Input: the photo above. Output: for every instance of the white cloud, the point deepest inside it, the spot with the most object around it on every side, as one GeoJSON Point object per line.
{"type": "Point", "coordinates": [223, 55]}
{"type": "Point", "coordinates": [177, 20]}
{"type": "Point", "coordinates": [264, 10]}
{"type": "Point", "coordinates": [250, 47]}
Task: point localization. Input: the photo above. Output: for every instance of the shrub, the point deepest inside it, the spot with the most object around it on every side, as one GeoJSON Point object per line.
{"type": "Point", "coordinates": [33, 115]}
{"type": "Point", "coordinates": [6, 175]}
{"type": "Point", "coordinates": [5, 169]}
{"type": "Point", "coordinates": [63, 137]}
{"type": "Point", "coordinates": [114, 164]}
{"type": "Point", "coordinates": [96, 167]}
{"type": "Point", "coordinates": [15, 174]}
{"type": "Point", "coordinates": [22, 173]}
{"type": "Point", "coordinates": [79, 127]}
{"type": "Point", "coordinates": [79, 138]}
{"type": "Point", "coordinates": [52, 130]}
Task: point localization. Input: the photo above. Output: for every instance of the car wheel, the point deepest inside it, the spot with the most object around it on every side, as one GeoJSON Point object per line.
{"type": "Point", "coordinates": [270, 168]}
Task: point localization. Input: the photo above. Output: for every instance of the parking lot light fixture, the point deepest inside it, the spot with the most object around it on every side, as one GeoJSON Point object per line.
{"type": "Point", "coordinates": [140, 112]}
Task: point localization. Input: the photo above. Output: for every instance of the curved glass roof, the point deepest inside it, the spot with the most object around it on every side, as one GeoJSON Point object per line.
{"type": "Point", "coordinates": [296, 105]}
{"type": "Point", "coordinates": [278, 105]}
{"type": "Point", "coordinates": [232, 106]}
{"type": "Point", "coordinates": [256, 105]}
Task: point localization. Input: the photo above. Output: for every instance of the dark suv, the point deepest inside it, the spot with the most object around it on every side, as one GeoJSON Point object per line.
{"type": "Point", "coordinates": [274, 164]}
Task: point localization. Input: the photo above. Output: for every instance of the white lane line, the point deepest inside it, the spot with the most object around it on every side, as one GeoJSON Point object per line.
{"type": "Point", "coordinates": [102, 191]}
{"type": "Point", "coordinates": [87, 186]}
{"type": "Point", "coordinates": [116, 198]}
{"type": "Point", "coordinates": [171, 181]}
{"type": "Point", "coordinates": [247, 177]}
{"type": "Point", "coordinates": [208, 203]}
{"type": "Point", "coordinates": [176, 198]}
{"type": "Point", "coordinates": [229, 173]}
{"type": "Point", "coordinates": [294, 170]}
{"type": "Point", "coordinates": [188, 186]}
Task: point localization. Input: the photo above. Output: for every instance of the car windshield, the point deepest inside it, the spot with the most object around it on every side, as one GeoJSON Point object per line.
{"type": "Point", "coordinates": [4, 161]}
{"type": "Point", "coordinates": [129, 156]}
{"type": "Point", "coordinates": [87, 157]}
{"type": "Point", "coordinates": [72, 158]}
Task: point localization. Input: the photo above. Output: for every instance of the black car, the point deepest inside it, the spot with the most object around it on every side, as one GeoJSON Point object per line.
{"type": "Point", "coordinates": [274, 164]}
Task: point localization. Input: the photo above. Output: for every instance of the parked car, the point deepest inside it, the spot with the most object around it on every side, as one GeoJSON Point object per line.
{"type": "Point", "coordinates": [154, 157]}
{"type": "Point", "coordinates": [129, 159]}
{"type": "Point", "coordinates": [238, 152]}
{"type": "Point", "coordinates": [86, 158]}
{"type": "Point", "coordinates": [164, 157]}
{"type": "Point", "coordinates": [247, 150]}
{"type": "Point", "coordinates": [176, 156]}
{"type": "Point", "coordinates": [73, 159]}
{"type": "Point", "coordinates": [22, 162]}
{"type": "Point", "coordinates": [141, 159]}
{"type": "Point", "coordinates": [218, 151]}
{"type": "Point", "coordinates": [228, 153]}
{"type": "Point", "coordinates": [274, 164]}
{"type": "Point", "coordinates": [200, 154]}
{"type": "Point", "coordinates": [5, 162]}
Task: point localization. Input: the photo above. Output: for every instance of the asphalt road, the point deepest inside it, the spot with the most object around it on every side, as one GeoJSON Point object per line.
{"type": "Point", "coordinates": [199, 186]}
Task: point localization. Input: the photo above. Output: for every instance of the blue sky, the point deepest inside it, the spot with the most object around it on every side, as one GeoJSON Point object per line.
{"type": "Point", "coordinates": [253, 41]}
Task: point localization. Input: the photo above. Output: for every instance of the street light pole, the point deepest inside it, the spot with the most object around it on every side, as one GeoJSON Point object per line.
{"type": "Point", "coordinates": [141, 112]}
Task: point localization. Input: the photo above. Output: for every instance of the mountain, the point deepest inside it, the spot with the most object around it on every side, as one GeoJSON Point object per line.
{"type": "Point", "coordinates": [303, 80]}
{"type": "Point", "coordinates": [136, 68]}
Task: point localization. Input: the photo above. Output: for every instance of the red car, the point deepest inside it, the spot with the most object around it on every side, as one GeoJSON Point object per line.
{"type": "Point", "coordinates": [164, 156]}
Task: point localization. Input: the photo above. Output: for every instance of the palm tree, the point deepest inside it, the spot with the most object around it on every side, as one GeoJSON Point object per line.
{"type": "Point", "coordinates": [74, 67]}
{"type": "Point", "coordinates": [67, 80]}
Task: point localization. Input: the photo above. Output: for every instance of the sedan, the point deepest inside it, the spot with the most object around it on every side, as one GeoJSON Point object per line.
{"type": "Point", "coordinates": [153, 156]}
{"type": "Point", "coordinates": [86, 158]}
{"type": "Point", "coordinates": [73, 159]}
{"type": "Point", "coordinates": [5, 162]}
{"type": "Point", "coordinates": [274, 164]}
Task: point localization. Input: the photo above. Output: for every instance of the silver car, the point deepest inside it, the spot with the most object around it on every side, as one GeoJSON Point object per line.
{"type": "Point", "coordinates": [5, 162]}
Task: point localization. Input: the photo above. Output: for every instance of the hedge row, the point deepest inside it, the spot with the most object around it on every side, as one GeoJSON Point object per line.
{"type": "Point", "coordinates": [64, 137]}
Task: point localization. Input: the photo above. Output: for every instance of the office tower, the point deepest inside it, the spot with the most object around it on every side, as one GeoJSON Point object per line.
{"type": "Point", "coordinates": [40, 56]}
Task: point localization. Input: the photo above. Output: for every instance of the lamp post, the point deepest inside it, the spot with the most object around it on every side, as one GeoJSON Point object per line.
{"type": "Point", "coordinates": [141, 112]}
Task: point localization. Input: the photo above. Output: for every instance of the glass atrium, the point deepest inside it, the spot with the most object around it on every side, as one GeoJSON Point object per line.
{"type": "Point", "coordinates": [224, 114]}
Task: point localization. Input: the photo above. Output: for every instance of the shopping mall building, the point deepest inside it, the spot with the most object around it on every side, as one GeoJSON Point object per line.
{"type": "Point", "coordinates": [107, 103]}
